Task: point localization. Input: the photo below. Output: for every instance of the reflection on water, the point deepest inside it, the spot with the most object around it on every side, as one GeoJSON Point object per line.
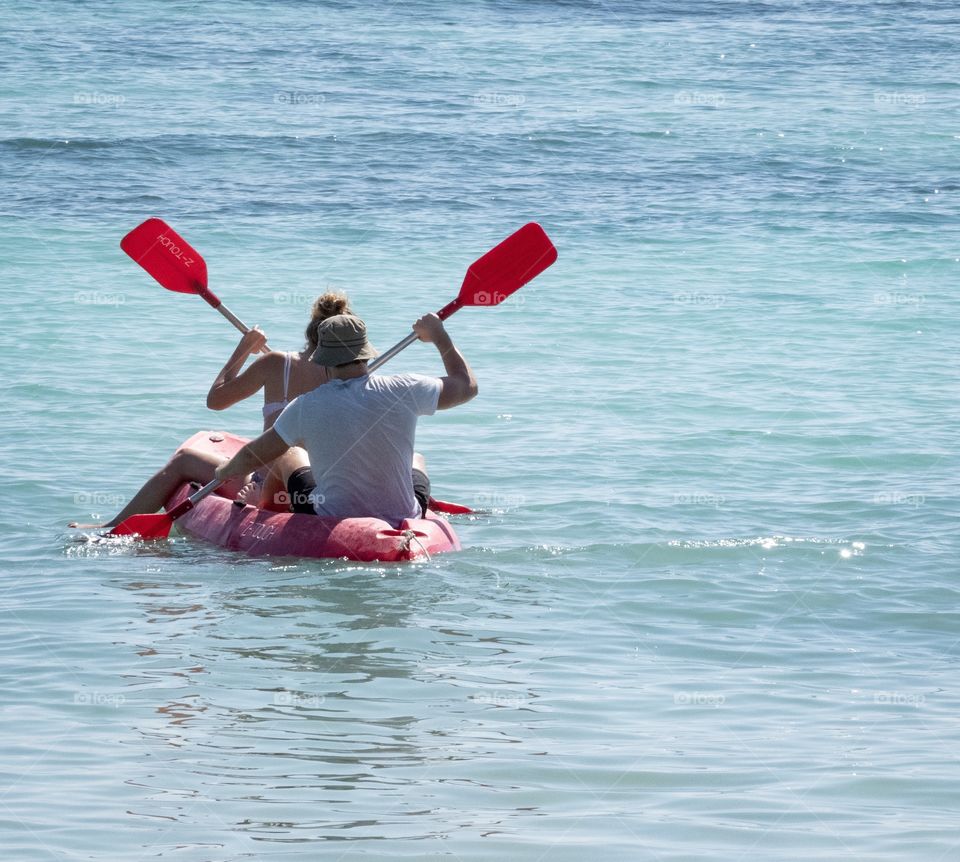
{"type": "Point", "coordinates": [202, 706]}
{"type": "Point", "coordinates": [332, 692]}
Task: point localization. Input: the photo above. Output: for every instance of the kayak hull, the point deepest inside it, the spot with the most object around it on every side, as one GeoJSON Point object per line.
{"type": "Point", "coordinates": [241, 527]}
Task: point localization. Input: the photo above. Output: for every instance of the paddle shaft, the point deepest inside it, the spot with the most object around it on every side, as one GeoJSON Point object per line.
{"type": "Point", "coordinates": [236, 321]}
{"type": "Point", "coordinates": [193, 499]}
{"type": "Point", "coordinates": [211, 299]}
{"type": "Point", "coordinates": [443, 314]}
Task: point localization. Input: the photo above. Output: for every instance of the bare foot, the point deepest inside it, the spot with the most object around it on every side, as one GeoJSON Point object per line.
{"type": "Point", "coordinates": [250, 493]}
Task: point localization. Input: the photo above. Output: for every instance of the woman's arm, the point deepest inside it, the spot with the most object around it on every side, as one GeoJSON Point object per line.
{"type": "Point", "coordinates": [231, 386]}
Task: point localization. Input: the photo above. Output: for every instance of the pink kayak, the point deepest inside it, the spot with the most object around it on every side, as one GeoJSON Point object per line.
{"type": "Point", "coordinates": [240, 527]}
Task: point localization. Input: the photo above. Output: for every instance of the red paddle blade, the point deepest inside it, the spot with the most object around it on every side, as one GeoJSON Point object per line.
{"type": "Point", "coordinates": [144, 526]}
{"type": "Point", "coordinates": [449, 508]}
{"type": "Point", "coordinates": [507, 267]}
{"type": "Point", "coordinates": [170, 259]}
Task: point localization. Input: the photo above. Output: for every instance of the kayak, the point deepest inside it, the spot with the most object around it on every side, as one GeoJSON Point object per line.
{"type": "Point", "coordinates": [238, 526]}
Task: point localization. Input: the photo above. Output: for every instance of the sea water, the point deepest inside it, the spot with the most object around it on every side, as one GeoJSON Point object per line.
{"type": "Point", "coordinates": [708, 607]}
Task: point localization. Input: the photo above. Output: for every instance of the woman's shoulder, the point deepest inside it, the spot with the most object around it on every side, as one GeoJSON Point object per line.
{"type": "Point", "coordinates": [307, 375]}
{"type": "Point", "coordinates": [273, 359]}
{"type": "Point", "coordinates": [302, 361]}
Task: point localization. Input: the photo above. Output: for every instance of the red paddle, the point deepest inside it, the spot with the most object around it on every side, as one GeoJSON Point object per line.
{"type": "Point", "coordinates": [158, 526]}
{"type": "Point", "coordinates": [449, 508]}
{"type": "Point", "coordinates": [490, 279]}
{"type": "Point", "coordinates": [172, 261]}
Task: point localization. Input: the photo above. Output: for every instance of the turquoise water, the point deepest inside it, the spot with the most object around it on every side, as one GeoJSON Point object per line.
{"type": "Point", "coordinates": [709, 609]}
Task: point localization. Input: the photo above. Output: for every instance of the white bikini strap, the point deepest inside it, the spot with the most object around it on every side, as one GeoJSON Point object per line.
{"type": "Point", "coordinates": [287, 358]}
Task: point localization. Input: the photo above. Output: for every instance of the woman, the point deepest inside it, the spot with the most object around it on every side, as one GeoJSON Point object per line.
{"type": "Point", "coordinates": [282, 377]}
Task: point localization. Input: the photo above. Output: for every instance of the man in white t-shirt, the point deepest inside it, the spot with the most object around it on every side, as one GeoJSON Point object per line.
{"type": "Point", "coordinates": [358, 429]}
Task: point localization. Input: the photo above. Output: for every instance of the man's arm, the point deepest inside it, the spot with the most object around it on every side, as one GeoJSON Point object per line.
{"type": "Point", "coordinates": [459, 385]}
{"type": "Point", "coordinates": [256, 454]}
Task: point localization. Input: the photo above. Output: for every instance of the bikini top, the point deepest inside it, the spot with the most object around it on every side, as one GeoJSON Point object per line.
{"type": "Point", "coordinates": [273, 407]}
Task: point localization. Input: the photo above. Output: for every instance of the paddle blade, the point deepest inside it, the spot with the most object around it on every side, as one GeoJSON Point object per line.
{"type": "Point", "coordinates": [167, 256]}
{"type": "Point", "coordinates": [507, 267]}
{"type": "Point", "coordinates": [144, 526]}
{"type": "Point", "coordinates": [449, 508]}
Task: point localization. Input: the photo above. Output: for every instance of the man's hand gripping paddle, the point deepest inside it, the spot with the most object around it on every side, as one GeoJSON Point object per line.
{"type": "Point", "coordinates": [502, 271]}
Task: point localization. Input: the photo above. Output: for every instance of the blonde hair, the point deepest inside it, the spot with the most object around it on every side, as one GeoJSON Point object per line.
{"type": "Point", "coordinates": [327, 305]}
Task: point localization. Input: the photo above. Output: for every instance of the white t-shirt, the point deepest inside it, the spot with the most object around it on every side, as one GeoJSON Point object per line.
{"type": "Point", "coordinates": [359, 436]}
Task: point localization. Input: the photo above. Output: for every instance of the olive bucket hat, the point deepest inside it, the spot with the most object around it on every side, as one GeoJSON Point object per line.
{"type": "Point", "coordinates": [342, 339]}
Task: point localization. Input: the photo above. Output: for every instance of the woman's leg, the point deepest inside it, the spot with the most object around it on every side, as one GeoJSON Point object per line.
{"type": "Point", "coordinates": [272, 493]}
{"type": "Point", "coordinates": [186, 465]}
{"type": "Point", "coordinates": [294, 460]}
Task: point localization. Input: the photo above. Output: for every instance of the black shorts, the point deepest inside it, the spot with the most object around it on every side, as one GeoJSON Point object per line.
{"type": "Point", "coordinates": [421, 489]}
{"type": "Point", "coordinates": [301, 487]}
